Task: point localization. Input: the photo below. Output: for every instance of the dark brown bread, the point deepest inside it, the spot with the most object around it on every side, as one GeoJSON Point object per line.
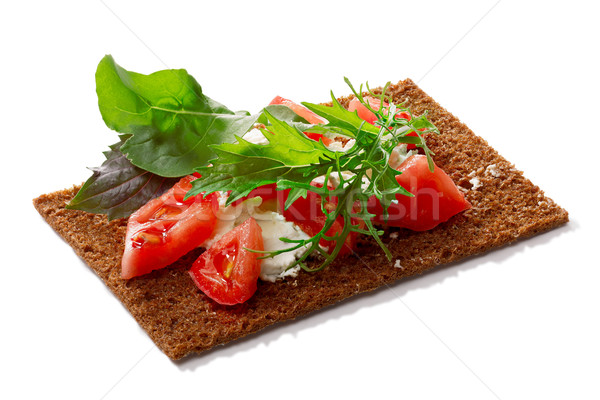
{"type": "Point", "coordinates": [180, 319]}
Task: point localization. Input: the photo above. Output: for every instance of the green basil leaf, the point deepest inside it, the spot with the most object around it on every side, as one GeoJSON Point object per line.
{"type": "Point", "coordinates": [171, 121]}
{"type": "Point", "coordinates": [118, 188]}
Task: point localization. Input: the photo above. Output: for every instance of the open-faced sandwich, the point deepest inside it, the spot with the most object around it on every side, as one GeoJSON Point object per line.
{"type": "Point", "coordinates": [220, 223]}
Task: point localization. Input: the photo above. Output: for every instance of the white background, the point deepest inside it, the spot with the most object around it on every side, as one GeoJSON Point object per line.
{"type": "Point", "coordinates": [521, 322]}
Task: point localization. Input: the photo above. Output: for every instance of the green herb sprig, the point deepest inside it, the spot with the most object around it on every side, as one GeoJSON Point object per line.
{"type": "Point", "coordinates": [166, 124]}
{"type": "Point", "coordinates": [293, 161]}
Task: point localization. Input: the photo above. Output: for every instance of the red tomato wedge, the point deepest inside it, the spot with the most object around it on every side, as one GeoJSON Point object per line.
{"type": "Point", "coordinates": [166, 228]}
{"type": "Point", "coordinates": [302, 111]}
{"type": "Point", "coordinates": [227, 272]}
{"type": "Point", "coordinates": [307, 214]}
{"type": "Point", "coordinates": [436, 197]}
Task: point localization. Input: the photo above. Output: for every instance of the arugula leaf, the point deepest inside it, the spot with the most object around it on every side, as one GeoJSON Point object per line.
{"type": "Point", "coordinates": [118, 188]}
{"type": "Point", "coordinates": [243, 166]}
{"type": "Point", "coordinates": [339, 117]}
{"type": "Point", "coordinates": [171, 121]}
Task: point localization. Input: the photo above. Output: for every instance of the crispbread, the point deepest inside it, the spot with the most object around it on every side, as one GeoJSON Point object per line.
{"type": "Point", "coordinates": [181, 320]}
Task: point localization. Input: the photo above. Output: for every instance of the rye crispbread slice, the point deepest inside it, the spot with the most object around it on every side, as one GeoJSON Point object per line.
{"type": "Point", "coordinates": [180, 319]}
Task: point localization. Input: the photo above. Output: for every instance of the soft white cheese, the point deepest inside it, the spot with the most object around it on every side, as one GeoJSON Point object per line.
{"type": "Point", "coordinates": [226, 220]}
{"type": "Point", "coordinates": [273, 225]}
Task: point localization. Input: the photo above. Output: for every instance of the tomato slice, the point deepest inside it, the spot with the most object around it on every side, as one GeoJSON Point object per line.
{"type": "Point", "coordinates": [166, 228]}
{"type": "Point", "coordinates": [436, 197]}
{"type": "Point", "coordinates": [302, 111]}
{"type": "Point", "coordinates": [307, 214]}
{"type": "Point", "coordinates": [227, 272]}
